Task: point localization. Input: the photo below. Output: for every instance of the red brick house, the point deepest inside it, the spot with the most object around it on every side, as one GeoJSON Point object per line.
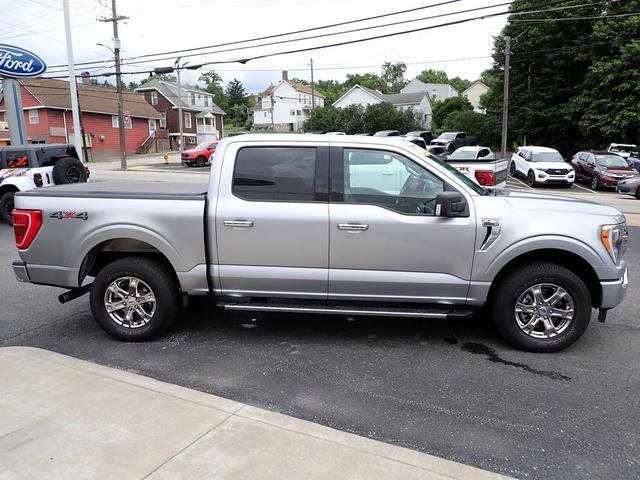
{"type": "Point", "coordinates": [202, 118]}
{"type": "Point", "coordinates": [47, 116]}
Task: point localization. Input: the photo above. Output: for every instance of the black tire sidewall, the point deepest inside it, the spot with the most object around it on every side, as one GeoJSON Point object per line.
{"type": "Point", "coordinates": [61, 168]}
{"type": "Point", "coordinates": [4, 199]}
{"type": "Point", "coordinates": [160, 282]}
{"type": "Point", "coordinates": [595, 182]}
{"type": "Point", "coordinates": [201, 162]}
{"type": "Point", "coordinates": [530, 182]}
{"type": "Point", "coordinates": [512, 169]}
{"type": "Point", "coordinates": [516, 282]}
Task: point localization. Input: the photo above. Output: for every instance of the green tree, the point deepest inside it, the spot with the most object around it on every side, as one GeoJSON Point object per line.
{"type": "Point", "coordinates": [331, 89]}
{"type": "Point", "coordinates": [606, 106]}
{"type": "Point", "coordinates": [132, 85]}
{"type": "Point", "coordinates": [485, 128]}
{"type": "Point", "coordinates": [441, 110]}
{"type": "Point", "coordinates": [433, 76]}
{"type": "Point", "coordinates": [300, 80]}
{"type": "Point", "coordinates": [163, 77]}
{"type": "Point", "coordinates": [353, 119]}
{"type": "Point", "coordinates": [460, 84]}
{"type": "Point", "coordinates": [235, 92]}
{"type": "Point", "coordinates": [393, 76]}
{"type": "Point", "coordinates": [213, 84]}
{"type": "Point", "coordinates": [325, 119]}
{"type": "Point", "coordinates": [368, 80]}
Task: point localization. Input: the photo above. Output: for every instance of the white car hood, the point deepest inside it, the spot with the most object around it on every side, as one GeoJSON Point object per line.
{"type": "Point", "coordinates": [545, 165]}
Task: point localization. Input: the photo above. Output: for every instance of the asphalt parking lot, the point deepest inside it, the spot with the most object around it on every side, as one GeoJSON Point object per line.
{"type": "Point", "coordinates": [452, 389]}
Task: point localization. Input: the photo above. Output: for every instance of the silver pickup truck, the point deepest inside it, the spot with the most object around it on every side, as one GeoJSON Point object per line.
{"type": "Point", "coordinates": [342, 225]}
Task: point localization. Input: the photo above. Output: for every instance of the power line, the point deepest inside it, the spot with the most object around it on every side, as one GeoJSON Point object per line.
{"type": "Point", "coordinates": [294, 32]}
{"type": "Point", "coordinates": [339, 33]}
{"type": "Point", "coordinates": [567, 19]}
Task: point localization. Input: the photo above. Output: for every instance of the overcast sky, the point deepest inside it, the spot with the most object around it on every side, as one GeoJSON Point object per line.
{"type": "Point", "coordinates": [158, 26]}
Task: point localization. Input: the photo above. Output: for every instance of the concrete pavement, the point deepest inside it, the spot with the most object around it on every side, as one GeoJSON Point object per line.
{"type": "Point", "coordinates": [68, 418]}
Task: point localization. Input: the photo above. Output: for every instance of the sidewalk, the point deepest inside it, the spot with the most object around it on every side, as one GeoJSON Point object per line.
{"type": "Point", "coordinates": [67, 418]}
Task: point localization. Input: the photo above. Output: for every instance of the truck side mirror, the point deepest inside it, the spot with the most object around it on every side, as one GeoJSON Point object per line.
{"type": "Point", "coordinates": [451, 204]}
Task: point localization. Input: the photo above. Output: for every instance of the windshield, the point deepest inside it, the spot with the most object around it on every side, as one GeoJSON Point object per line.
{"type": "Point", "coordinates": [463, 155]}
{"type": "Point", "coordinates": [611, 161]}
{"type": "Point", "coordinates": [546, 157]}
{"type": "Point", "coordinates": [454, 171]}
{"type": "Point", "coordinates": [447, 136]}
{"type": "Point", "coordinates": [202, 146]}
{"type": "Point", "coordinates": [621, 148]}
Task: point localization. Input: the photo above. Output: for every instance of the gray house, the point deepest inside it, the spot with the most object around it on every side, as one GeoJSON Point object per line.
{"type": "Point", "coordinates": [437, 91]}
{"type": "Point", "coordinates": [419, 102]}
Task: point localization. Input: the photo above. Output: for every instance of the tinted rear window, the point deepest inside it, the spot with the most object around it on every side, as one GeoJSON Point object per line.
{"type": "Point", "coordinates": [275, 174]}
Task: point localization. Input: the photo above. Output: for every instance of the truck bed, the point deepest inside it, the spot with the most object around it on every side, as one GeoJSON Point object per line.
{"type": "Point", "coordinates": [124, 189]}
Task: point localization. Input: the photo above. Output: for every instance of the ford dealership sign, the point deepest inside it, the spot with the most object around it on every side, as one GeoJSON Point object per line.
{"type": "Point", "coordinates": [20, 63]}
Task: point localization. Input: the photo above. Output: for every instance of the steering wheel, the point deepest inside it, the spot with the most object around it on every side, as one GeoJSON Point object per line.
{"type": "Point", "coordinates": [426, 208]}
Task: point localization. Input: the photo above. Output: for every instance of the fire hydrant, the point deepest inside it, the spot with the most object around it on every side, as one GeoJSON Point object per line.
{"type": "Point", "coordinates": [166, 158]}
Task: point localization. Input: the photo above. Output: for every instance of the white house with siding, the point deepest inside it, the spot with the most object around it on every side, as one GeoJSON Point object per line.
{"type": "Point", "coordinates": [437, 91]}
{"type": "Point", "coordinates": [419, 102]}
{"type": "Point", "coordinates": [285, 106]}
{"type": "Point", "coordinates": [473, 94]}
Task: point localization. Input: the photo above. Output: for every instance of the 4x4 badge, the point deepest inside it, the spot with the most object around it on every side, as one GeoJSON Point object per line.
{"type": "Point", "coordinates": [69, 215]}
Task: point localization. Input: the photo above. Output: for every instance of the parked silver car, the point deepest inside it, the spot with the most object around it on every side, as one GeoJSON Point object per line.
{"type": "Point", "coordinates": [630, 186]}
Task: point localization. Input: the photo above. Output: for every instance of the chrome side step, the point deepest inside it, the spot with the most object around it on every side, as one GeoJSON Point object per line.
{"type": "Point", "coordinates": [435, 312]}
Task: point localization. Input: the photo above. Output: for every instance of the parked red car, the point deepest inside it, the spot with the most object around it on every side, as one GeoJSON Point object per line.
{"type": "Point", "coordinates": [601, 169]}
{"type": "Point", "coordinates": [199, 156]}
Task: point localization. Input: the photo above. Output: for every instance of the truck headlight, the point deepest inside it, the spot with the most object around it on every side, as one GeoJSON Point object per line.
{"type": "Point", "coordinates": [615, 239]}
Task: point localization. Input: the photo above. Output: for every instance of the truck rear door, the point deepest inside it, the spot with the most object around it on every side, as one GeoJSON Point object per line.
{"type": "Point", "coordinates": [272, 220]}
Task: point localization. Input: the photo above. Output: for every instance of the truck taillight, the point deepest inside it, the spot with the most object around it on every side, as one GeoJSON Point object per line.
{"type": "Point", "coordinates": [485, 178]}
{"type": "Point", "coordinates": [26, 224]}
{"type": "Point", "coordinates": [37, 179]}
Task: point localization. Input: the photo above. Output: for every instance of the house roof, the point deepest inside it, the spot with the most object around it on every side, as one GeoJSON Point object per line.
{"type": "Point", "coordinates": [300, 87]}
{"type": "Point", "coordinates": [412, 98]}
{"type": "Point", "coordinates": [54, 93]}
{"type": "Point", "coordinates": [440, 89]}
{"type": "Point", "coordinates": [169, 91]}
{"type": "Point", "coordinates": [477, 82]}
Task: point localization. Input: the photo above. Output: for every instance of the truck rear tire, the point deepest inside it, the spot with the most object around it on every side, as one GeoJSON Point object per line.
{"type": "Point", "coordinates": [134, 299]}
{"type": "Point", "coordinates": [6, 206]}
{"type": "Point", "coordinates": [69, 170]}
{"type": "Point", "coordinates": [541, 307]}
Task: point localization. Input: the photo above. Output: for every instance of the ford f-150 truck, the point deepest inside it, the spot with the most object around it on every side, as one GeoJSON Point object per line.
{"type": "Point", "coordinates": [333, 225]}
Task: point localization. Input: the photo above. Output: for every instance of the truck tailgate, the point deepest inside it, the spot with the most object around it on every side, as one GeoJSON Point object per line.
{"type": "Point", "coordinates": [470, 167]}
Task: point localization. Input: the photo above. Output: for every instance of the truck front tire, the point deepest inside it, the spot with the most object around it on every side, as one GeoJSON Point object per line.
{"type": "Point", "coordinates": [541, 307]}
{"type": "Point", "coordinates": [134, 299]}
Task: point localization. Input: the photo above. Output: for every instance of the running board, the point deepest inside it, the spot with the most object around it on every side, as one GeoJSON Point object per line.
{"type": "Point", "coordinates": [432, 312]}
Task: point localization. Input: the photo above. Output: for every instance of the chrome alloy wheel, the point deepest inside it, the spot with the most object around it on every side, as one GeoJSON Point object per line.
{"type": "Point", "coordinates": [544, 310]}
{"type": "Point", "coordinates": [130, 302]}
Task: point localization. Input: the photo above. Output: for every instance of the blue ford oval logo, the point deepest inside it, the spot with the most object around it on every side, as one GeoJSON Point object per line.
{"type": "Point", "coordinates": [18, 62]}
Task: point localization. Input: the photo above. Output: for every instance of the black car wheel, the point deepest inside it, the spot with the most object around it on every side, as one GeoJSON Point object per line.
{"type": "Point", "coordinates": [134, 299]}
{"type": "Point", "coordinates": [201, 161]}
{"type": "Point", "coordinates": [541, 307]}
{"type": "Point", "coordinates": [531, 179]}
{"type": "Point", "coordinates": [595, 182]}
{"type": "Point", "coordinates": [512, 169]}
{"type": "Point", "coordinates": [69, 170]}
{"type": "Point", "coordinates": [6, 207]}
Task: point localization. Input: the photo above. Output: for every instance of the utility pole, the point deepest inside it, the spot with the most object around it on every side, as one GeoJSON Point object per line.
{"type": "Point", "coordinates": [526, 122]}
{"type": "Point", "coordinates": [505, 103]}
{"type": "Point", "coordinates": [116, 52]}
{"type": "Point", "coordinates": [273, 105]}
{"type": "Point", "coordinates": [180, 119]}
{"type": "Point", "coordinates": [75, 111]}
{"type": "Point", "coordinates": [313, 89]}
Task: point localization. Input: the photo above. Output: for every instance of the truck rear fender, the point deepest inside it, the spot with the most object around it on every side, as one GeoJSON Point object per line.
{"type": "Point", "coordinates": [104, 247]}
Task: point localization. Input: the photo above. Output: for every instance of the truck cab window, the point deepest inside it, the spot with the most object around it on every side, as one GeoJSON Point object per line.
{"type": "Point", "coordinates": [389, 180]}
{"type": "Point", "coordinates": [275, 174]}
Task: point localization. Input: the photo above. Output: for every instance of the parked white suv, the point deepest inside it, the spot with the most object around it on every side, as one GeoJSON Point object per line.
{"type": "Point", "coordinates": [25, 167]}
{"type": "Point", "coordinates": [541, 165]}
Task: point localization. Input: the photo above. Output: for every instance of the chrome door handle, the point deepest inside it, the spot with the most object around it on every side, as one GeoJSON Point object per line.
{"type": "Point", "coordinates": [238, 223]}
{"type": "Point", "coordinates": [353, 227]}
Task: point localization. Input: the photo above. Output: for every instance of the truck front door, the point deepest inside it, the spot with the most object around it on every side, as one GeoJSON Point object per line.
{"type": "Point", "coordinates": [272, 221]}
{"type": "Point", "coordinates": [386, 244]}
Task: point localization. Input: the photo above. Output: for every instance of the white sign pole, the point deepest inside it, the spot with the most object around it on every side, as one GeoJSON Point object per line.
{"type": "Point", "coordinates": [13, 111]}
{"type": "Point", "coordinates": [72, 81]}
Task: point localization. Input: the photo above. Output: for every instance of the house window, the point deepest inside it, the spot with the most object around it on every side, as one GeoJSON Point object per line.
{"type": "Point", "coordinates": [292, 112]}
{"type": "Point", "coordinates": [163, 120]}
{"type": "Point", "coordinates": [206, 101]}
{"type": "Point", "coordinates": [115, 123]}
{"type": "Point", "coordinates": [187, 120]}
{"type": "Point", "coordinates": [154, 98]}
{"type": "Point", "coordinates": [193, 99]}
{"type": "Point", "coordinates": [298, 112]}
{"type": "Point", "coordinates": [264, 114]}
{"type": "Point", "coordinates": [34, 117]}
